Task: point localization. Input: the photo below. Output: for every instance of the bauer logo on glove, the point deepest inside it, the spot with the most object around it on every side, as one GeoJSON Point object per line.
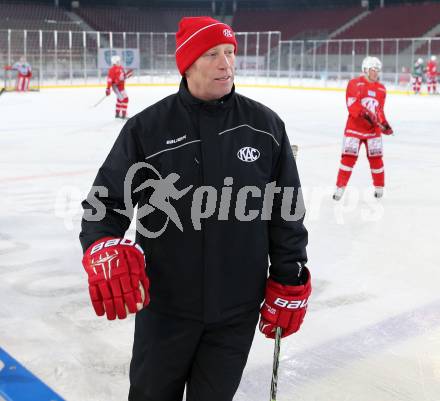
{"type": "Point", "coordinates": [284, 303]}
{"type": "Point", "coordinates": [114, 241]}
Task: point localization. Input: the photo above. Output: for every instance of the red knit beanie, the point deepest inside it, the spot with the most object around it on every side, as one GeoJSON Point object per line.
{"type": "Point", "coordinates": [196, 35]}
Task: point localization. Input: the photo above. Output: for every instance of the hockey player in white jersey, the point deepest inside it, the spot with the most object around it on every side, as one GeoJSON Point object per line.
{"type": "Point", "coordinates": [24, 74]}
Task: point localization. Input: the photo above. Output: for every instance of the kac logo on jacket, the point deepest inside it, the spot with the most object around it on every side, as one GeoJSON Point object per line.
{"type": "Point", "coordinates": [248, 154]}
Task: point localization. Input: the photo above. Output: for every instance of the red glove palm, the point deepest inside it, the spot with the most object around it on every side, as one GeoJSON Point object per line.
{"type": "Point", "coordinates": [118, 284]}
{"type": "Point", "coordinates": [107, 92]}
{"type": "Point", "coordinates": [369, 116]}
{"type": "Point", "coordinates": [386, 128]}
{"type": "Point", "coordinates": [285, 307]}
{"type": "Point", "coordinates": [383, 123]}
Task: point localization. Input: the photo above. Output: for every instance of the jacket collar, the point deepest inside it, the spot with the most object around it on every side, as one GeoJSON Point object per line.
{"type": "Point", "coordinates": [219, 104]}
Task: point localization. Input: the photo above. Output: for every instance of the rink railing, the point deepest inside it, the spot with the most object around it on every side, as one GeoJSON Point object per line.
{"type": "Point", "coordinates": [63, 57]}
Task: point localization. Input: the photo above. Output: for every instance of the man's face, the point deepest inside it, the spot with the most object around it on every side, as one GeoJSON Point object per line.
{"type": "Point", "coordinates": [373, 74]}
{"type": "Point", "coordinates": [211, 76]}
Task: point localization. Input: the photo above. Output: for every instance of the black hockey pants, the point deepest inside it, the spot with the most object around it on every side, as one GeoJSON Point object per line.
{"type": "Point", "coordinates": [171, 352]}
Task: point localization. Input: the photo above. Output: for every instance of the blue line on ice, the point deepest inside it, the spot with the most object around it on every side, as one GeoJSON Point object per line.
{"type": "Point", "coordinates": [18, 384]}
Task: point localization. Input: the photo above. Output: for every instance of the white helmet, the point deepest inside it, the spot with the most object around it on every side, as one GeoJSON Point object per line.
{"type": "Point", "coordinates": [419, 60]}
{"type": "Point", "coordinates": [371, 62]}
{"type": "Point", "coordinates": [116, 59]}
{"type": "Point", "coordinates": [433, 58]}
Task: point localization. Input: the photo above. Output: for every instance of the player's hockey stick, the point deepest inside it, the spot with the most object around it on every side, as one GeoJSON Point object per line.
{"type": "Point", "coordinates": [100, 101]}
{"type": "Point", "coordinates": [276, 356]}
{"type": "Point", "coordinates": [2, 90]}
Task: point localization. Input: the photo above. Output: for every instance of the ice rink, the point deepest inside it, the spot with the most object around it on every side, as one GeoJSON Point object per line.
{"type": "Point", "coordinates": [372, 332]}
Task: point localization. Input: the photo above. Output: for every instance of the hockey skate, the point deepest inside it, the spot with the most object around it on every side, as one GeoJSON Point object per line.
{"type": "Point", "coordinates": [338, 193]}
{"type": "Point", "coordinates": [122, 115]}
{"type": "Point", "coordinates": [378, 192]}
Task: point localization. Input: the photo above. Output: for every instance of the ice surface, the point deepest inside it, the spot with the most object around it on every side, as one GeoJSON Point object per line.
{"type": "Point", "coordinates": [372, 332]}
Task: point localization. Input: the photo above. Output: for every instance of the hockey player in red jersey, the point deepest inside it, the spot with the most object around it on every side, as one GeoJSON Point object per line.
{"type": "Point", "coordinates": [366, 123]}
{"type": "Point", "coordinates": [116, 80]}
{"type": "Point", "coordinates": [431, 75]}
{"type": "Point", "coordinates": [24, 74]}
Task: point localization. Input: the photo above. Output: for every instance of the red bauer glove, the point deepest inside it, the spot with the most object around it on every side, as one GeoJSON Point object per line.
{"type": "Point", "coordinates": [369, 116]}
{"type": "Point", "coordinates": [383, 123]}
{"type": "Point", "coordinates": [386, 129]}
{"type": "Point", "coordinates": [107, 92]}
{"type": "Point", "coordinates": [284, 306]}
{"type": "Point", "coordinates": [118, 284]}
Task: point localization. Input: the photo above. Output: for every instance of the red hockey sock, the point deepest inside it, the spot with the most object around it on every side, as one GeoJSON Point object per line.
{"type": "Point", "coordinates": [377, 171]}
{"type": "Point", "coordinates": [345, 169]}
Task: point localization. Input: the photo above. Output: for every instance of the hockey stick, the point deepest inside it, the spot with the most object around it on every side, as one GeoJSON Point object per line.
{"type": "Point", "coordinates": [100, 101]}
{"type": "Point", "coordinates": [294, 150]}
{"type": "Point", "coordinates": [276, 356]}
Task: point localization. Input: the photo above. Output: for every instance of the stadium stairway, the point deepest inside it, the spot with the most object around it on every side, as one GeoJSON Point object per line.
{"type": "Point", "coordinates": [420, 47]}
{"type": "Point", "coordinates": [348, 24]}
{"type": "Point", "coordinates": [87, 28]}
{"type": "Point", "coordinates": [84, 26]}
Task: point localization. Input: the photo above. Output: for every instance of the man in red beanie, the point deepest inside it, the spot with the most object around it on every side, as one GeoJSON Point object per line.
{"type": "Point", "coordinates": [209, 171]}
{"type": "Point", "coordinates": [205, 55]}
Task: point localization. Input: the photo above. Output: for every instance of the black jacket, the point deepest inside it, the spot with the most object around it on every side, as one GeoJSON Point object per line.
{"type": "Point", "coordinates": [219, 269]}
